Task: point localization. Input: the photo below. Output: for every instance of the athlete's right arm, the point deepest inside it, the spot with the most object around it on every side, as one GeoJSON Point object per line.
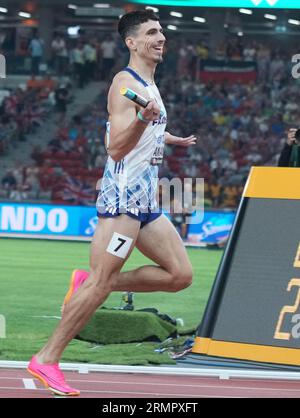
{"type": "Point", "coordinates": [126, 128]}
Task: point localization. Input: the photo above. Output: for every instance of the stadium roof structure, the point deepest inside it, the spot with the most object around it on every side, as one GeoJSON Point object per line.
{"type": "Point", "coordinates": [264, 4]}
{"type": "Point", "coordinates": [247, 17]}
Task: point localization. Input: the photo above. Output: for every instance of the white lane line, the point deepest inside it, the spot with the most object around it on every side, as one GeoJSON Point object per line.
{"type": "Point", "coordinates": [168, 371]}
{"type": "Point", "coordinates": [160, 395]}
{"type": "Point", "coordinates": [192, 379]}
{"type": "Point", "coordinates": [195, 386]}
{"type": "Point", "coordinates": [157, 395]}
{"type": "Point", "coordinates": [29, 384]}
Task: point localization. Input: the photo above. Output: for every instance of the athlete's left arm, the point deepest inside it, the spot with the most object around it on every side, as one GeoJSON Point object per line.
{"type": "Point", "coordinates": [178, 140]}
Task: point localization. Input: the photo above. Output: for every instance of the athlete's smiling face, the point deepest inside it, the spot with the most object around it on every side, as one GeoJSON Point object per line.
{"type": "Point", "coordinates": [148, 41]}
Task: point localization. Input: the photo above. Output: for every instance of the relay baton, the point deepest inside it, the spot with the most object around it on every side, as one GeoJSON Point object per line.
{"type": "Point", "coordinates": [136, 98]}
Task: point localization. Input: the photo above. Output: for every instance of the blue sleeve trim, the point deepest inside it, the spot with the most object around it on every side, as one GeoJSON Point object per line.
{"type": "Point", "coordinates": [136, 76]}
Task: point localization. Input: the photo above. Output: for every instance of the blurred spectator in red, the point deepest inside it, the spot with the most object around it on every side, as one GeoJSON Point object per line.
{"type": "Point", "coordinates": [33, 83]}
{"type": "Point", "coordinates": [37, 156]}
{"type": "Point", "coordinates": [48, 85]}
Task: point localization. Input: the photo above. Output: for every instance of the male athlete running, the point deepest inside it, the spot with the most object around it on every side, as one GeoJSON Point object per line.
{"type": "Point", "coordinates": [127, 208]}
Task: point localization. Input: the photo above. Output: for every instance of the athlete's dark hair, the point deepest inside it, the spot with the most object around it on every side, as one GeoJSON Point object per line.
{"type": "Point", "coordinates": [130, 22]}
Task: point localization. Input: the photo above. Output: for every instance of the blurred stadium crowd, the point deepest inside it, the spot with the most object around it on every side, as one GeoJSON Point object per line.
{"type": "Point", "coordinates": [238, 125]}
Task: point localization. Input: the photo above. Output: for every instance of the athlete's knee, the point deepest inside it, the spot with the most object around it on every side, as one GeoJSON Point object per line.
{"type": "Point", "coordinates": [103, 280]}
{"type": "Point", "coordinates": [182, 278]}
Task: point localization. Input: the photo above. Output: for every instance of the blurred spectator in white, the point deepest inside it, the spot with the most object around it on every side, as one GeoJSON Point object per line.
{"type": "Point", "coordinates": [79, 64]}
{"type": "Point", "coordinates": [32, 179]}
{"type": "Point", "coordinates": [108, 48]}
{"type": "Point", "coordinates": [277, 67]}
{"type": "Point", "coordinates": [183, 60]}
{"type": "Point", "coordinates": [60, 54]}
{"type": "Point", "coordinates": [220, 54]}
{"type": "Point", "coordinates": [250, 52]}
{"type": "Point", "coordinates": [90, 57]}
{"type": "Point", "coordinates": [263, 60]}
{"type": "Point", "coordinates": [19, 194]}
{"type": "Point", "coordinates": [36, 49]}
{"type": "Point", "coordinates": [18, 172]}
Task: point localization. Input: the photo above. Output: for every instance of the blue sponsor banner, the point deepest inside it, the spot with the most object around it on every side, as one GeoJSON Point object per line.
{"type": "Point", "coordinates": [214, 228]}
{"type": "Point", "coordinates": [88, 222]}
{"type": "Point", "coordinates": [26, 219]}
{"type": "Point", "coordinates": [81, 221]}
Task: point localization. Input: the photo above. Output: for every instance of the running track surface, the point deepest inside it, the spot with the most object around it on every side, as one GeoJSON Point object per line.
{"type": "Point", "coordinates": [19, 384]}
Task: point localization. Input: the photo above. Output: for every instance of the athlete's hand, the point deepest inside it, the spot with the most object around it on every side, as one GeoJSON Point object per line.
{"type": "Point", "coordinates": [180, 141]}
{"type": "Point", "coordinates": [151, 112]}
{"type": "Point", "coordinates": [291, 137]}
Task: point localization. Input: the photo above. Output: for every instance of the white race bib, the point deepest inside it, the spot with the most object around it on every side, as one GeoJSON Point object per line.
{"type": "Point", "coordinates": [158, 155]}
{"type": "Point", "coordinates": [119, 245]}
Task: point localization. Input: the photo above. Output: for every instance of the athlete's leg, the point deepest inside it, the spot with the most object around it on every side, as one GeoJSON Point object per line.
{"type": "Point", "coordinates": [104, 267]}
{"type": "Point", "coordinates": [160, 242]}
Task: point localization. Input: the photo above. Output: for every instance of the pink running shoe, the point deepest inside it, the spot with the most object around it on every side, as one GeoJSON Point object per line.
{"type": "Point", "coordinates": [77, 279]}
{"type": "Point", "coordinates": [52, 377]}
